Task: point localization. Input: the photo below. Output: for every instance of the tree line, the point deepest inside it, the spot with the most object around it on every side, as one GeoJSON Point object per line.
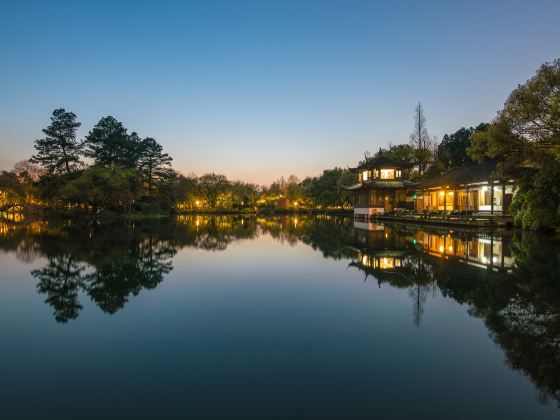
{"type": "Point", "coordinates": [125, 173]}
{"type": "Point", "coordinates": [114, 170]}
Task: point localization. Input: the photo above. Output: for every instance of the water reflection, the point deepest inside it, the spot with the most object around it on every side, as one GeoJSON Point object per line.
{"type": "Point", "coordinates": [507, 279]}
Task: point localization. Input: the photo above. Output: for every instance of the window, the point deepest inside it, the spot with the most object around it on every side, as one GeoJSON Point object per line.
{"type": "Point", "coordinates": [387, 174]}
{"type": "Point", "coordinates": [486, 196]}
{"type": "Point", "coordinates": [365, 175]}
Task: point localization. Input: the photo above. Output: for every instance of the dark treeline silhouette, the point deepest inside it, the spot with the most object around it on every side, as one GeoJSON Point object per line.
{"type": "Point", "coordinates": [116, 171]}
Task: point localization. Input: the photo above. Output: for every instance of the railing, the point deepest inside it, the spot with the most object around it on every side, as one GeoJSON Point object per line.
{"type": "Point", "coordinates": [472, 217]}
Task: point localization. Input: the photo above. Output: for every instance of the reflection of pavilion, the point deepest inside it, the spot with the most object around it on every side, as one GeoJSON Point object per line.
{"type": "Point", "coordinates": [483, 250]}
{"type": "Point", "coordinates": [384, 248]}
{"type": "Point", "coordinates": [380, 250]}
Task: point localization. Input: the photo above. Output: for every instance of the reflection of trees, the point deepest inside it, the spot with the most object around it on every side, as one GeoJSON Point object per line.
{"type": "Point", "coordinates": [522, 311]}
{"type": "Point", "coordinates": [61, 280]}
{"type": "Point", "coordinates": [327, 234]}
{"type": "Point", "coordinates": [520, 307]}
{"type": "Point", "coordinates": [125, 270]}
{"type": "Point", "coordinates": [109, 265]}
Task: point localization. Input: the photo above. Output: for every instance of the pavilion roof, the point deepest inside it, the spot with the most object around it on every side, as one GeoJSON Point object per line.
{"type": "Point", "coordinates": [386, 184]}
{"type": "Point", "coordinates": [466, 174]}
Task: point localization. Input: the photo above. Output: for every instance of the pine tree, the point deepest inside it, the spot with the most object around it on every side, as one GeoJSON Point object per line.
{"type": "Point", "coordinates": [108, 143]}
{"type": "Point", "coordinates": [59, 151]}
{"type": "Point", "coordinates": [153, 164]}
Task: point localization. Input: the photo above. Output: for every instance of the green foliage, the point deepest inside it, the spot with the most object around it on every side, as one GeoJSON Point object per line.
{"type": "Point", "coordinates": [326, 190]}
{"type": "Point", "coordinates": [108, 143]}
{"type": "Point", "coordinates": [11, 189]}
{"type": "Point", "coordinates": [401, 152]}
{"type": "Point", "coordinates": [452, 151]}
{"type": "Point", "coordinates": [537, 202]}
{"type": "Point", "coordinates": [103, 188]}
{"type": "Point", "coordinates": [525, 138]}
{"type": "Point", "coordinates": [154, 166]}
{"type": "Point", "coordinates": [212, 188]}
{"type": "Point", "coordinates": [59, 150]}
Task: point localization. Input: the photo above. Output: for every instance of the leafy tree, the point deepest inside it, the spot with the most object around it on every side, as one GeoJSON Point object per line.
{"type": "Point", "coordinates": [211, 187]}
{"type": "Point", "coordinates": [525, 138]}
{"type": "Point", "coordinates": [401, 152]}
{"type": "Point", "coordinates": [104, 188]}
{"type": "Point", "coordinates": [452, 151]}
{"type": "Point", "coordinates": [153, 164]}
{"type": "Point", "coordinates": [59, 151]}
{"type": "Point", "coordinates": [108, 143]}
{"type": "Point", "coordinates": [244, 194]}
{"type": "Point", "coordinates": [327, 190]}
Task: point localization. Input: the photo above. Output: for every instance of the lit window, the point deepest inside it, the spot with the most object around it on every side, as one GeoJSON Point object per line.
{"type": "Point", "coordinates": [365, 175]}
{"type": "Point", "coordinates": [387, 174]}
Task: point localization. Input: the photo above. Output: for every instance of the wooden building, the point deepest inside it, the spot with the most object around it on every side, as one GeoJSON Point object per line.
{"type": "Point", "coordinates": [470, 188]}
{"type": "Point", "coordinates": [381, 186]}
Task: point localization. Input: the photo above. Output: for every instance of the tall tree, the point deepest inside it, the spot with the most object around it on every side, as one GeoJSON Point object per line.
{"type": "Point", "coordinates": [420, 140]}
{"type": "Point", "coordinates": [153, 164]}
{"type": "Point", "coordinates": [59, 151]}
{"type": "Point", "coordinates": [108, 143]}
{"type": "Point", "coordinates": [525, 138]}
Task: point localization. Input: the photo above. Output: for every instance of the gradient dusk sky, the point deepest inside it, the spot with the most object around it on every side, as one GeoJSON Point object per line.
{"type": "Point", "coordinates": [260, 89]}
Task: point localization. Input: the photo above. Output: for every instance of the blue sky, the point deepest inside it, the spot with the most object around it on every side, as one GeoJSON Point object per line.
{"type": "Point", "coordinates": [261, 89]}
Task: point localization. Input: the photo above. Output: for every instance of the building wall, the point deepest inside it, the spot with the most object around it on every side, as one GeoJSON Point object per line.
{"type": "Point", "coordinates": [474, 198]}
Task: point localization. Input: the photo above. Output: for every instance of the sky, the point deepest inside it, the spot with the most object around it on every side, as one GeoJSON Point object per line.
{"type": "Point", "coordinates": [256, 90]}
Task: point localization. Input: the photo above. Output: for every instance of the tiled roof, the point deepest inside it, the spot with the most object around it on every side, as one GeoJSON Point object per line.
{"type": "Point", "coordinates": [464, 175]}
{"type": "Point", "coordinates": [381, 184]}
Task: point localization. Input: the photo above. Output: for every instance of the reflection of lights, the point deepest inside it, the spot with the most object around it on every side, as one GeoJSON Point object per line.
{"type": "Point", "coordinates": [365, 260]}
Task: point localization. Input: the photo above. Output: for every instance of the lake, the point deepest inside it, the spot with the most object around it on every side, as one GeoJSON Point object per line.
{"type": "Point", "coordinates": [277, 317]}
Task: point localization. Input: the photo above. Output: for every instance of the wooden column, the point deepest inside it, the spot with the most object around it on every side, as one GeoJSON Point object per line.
{"type": "Point", "coordinates": [491, 197]}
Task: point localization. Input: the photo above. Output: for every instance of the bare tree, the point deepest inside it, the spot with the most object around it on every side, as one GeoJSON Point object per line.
{"type": "Point", "coordinates": [420, 139]}
{"type": "Point", "coordinates": [26, 168]}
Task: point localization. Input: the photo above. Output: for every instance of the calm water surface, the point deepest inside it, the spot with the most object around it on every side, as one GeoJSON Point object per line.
{"type": "Point", "coordinates": [280, 317]}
